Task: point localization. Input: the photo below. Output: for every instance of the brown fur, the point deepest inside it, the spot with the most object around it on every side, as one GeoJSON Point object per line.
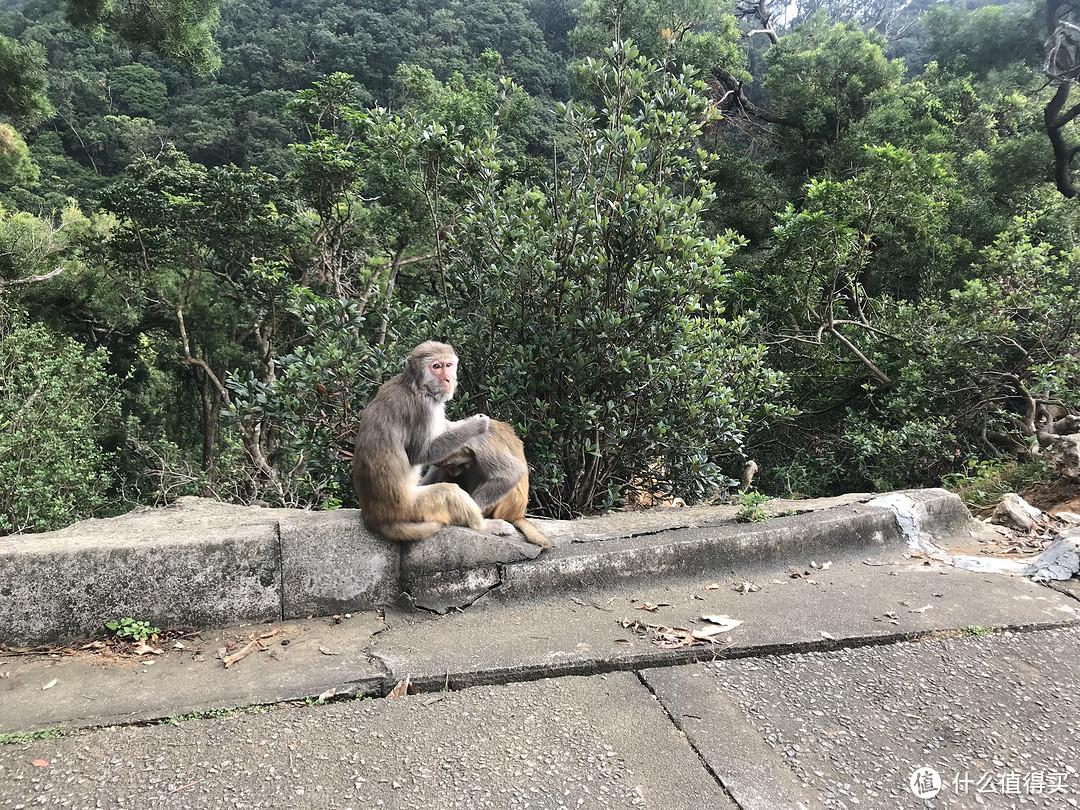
{"type": "Point", "coordinates": [493, 470]}
{"type": "Point", "coordinates": [400, 430]}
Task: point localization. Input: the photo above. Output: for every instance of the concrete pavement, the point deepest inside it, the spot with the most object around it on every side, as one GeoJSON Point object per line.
{"type": "Point", "coordinates": [854, 669]}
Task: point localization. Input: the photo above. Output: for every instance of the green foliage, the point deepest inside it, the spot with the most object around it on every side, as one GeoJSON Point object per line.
{"type": "Point", "coordinates": [138, 91]}
{"type": "Point", "coordinates": [593, 322]}
{"type": "Point", "coordinates": [181, 29]}
{"type": "Point", "coordinates": [132, 629]}
{"type": "Point", "coordinates": [16, 167]}
{"type": "Point", "coordinates": [689, 32]}
{"type": "Point", "coordinates": [983, 482]}
{"type": "Point", "coordinates": [750, 503]}
{"type": "Point", "coordinates": [22, 737]}
{"type": "Point", "coordinates": [58, 406]}
{"type": "Point", "coordinates": [23, 81]}
{"type": "Point", "coordinates": [822, 79]}
{"type": "Point", "coordinates": [984, 39]}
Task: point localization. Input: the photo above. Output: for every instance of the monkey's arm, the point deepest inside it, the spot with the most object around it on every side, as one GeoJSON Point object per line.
{"type": "Point", "coordinates": [452, 440]}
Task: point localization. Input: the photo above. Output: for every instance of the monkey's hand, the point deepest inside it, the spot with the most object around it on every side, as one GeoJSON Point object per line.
{"type": "Point", "coordinates": [481, 423]}
{"type": "Point", "coordinates": [457, 436]}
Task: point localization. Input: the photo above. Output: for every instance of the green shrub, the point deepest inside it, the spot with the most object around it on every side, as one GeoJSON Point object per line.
{"type": "Point", "coordinates": [57, 404]}
{"type": "Point", "coordinates": [589, 309]}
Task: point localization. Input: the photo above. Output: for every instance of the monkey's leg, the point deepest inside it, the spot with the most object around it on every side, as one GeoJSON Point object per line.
{"type": "Point", "coordinates": [503, 474]}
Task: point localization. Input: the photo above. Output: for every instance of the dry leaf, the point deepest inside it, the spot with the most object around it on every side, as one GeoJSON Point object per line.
{"type": "Point", "coordinates": [826, 565]}
{"type": "Point", "coordinates": [405, 687]}
{"type": "Point", "coordinates": [49, 685]}
{"type": "Point", "coordinates": [714, 587]}
{"type": "Point", "coordinates": [827, 635]}
{"type": "Point", "coordinates": [271, 633]}
{"type": "Point", "coordinates": [179, 645]}
{"type": "Point", "coordinates": [923, 609]}
{"type": "Point", "coordinates": [329, 693]}
{"type": "Point", "coordinates": [325, 651]}
{"type": "Point", "coordinates": [647, 606]}
{"type": "Point", "coordinates": [724, 623]}
{"type": "Point", "coordinates": [143, 648]}
{"type": "Point", "coordinates": [236, 656]}
{"type": "Point", "coordinates": [93, 645]}
{"type": "Point", "coordinates": [747, 587]}
{"type": "Point", "coordinates": [710, 631]}
{"type": "Point", "coordinates": [40, 763]}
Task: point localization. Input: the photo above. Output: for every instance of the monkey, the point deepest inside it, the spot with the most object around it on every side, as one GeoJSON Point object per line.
{"type": "Point", "coordinates": [493, 470]}
{"type": "Point", "coordinates": [403, 428]}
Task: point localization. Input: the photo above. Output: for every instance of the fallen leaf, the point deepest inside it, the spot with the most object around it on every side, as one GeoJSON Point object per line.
{"type": "Point", "coordinates": [229, 660]}
{"type": "Point", "coordinates": [710, 631]}
{"type": "Point", "coordinates": [647, 606]}
{"type": "Point", "coordinates": [923, 609]}
{"type": "Point", "coordinates": [714, 587]}
{"type": "Point", "coordinates": [143, 648]}
{"type": "Point", "coordinates": [723, 622]}
{"type": "Point", "coordinates": [405, 687]}
{"type": "Point", "coordinates": [825, 566]}
{"type": "Point", "coordinates": [827, 635]}
{"type": "Point", "coordinates": [49, 685]}
{"type": "Point", "coordinates": [325, 651]}
{"type": "Point", "coordinates": [93, 645]}
{"type": "Point", "coordinates": [271, 633]}
{"type": "Point", "coordinates": [875, 561]}
{"type": "Point", "coordinates": [747, 587]}
{"type": "Point", "coordinates": [179, 645]}
{"type": "Point", "coordinates": [329, 693]}
{"type": "Point", "coordinates": [40, 763]}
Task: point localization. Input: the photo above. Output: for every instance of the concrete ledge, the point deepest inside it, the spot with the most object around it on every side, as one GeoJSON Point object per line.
{"type": "Point", "coordinates": [203, 563]}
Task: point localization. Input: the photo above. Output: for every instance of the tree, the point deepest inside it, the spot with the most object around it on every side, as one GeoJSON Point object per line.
{"type": "Point", "coordinates": [587, 306]}
{"type": "Point", "coordinates": [23, 83]}
{"type": "Point", "coordinates": [180, 29]}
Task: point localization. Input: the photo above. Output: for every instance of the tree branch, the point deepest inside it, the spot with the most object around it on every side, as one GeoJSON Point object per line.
{"type": "Point", "coordinates": [16, 282]}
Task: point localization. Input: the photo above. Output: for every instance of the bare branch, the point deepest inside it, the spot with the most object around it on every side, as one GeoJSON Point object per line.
{"type": "Point", "coordinates": [17, 282]}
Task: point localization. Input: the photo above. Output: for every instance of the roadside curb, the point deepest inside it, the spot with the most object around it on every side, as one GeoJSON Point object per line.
{"type": "Point", "coordinates": [204, 564]}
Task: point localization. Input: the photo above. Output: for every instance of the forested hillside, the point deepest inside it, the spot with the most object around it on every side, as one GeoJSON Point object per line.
{"type": "Point", "coordinates": [839, 238]}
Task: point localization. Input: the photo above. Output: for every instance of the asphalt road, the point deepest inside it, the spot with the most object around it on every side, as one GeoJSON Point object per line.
{"type": "Point", "coordinates": [994, 717]}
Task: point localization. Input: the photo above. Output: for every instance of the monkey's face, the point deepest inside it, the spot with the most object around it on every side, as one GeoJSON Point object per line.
{"type": "Point", "coordinates": [442, 377]}
{"type": "Point", "coordinates": [458, 462]}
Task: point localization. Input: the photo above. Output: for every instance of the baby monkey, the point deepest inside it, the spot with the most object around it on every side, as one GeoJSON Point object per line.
{"type": "Point", "coordinates": [492, 469]}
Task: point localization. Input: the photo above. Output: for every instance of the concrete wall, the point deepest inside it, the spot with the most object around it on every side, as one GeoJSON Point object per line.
{"type": "Point", "coordinates": [201, 563]}
{"type": "Point", "coordinates": [198, 563]}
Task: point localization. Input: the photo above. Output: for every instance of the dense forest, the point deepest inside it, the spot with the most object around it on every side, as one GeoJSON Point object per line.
{"type": "Point", "coordinates": [837, 237]}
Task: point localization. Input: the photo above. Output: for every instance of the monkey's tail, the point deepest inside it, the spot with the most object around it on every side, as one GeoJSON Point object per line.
{"type": "Point", "coordinates": [403, 531]}
{"type": "Point", "coordinates": [532, 534]}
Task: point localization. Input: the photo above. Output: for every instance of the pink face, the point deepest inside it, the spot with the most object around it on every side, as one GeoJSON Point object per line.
{"type": "Point", "coordinates": [445, 372]}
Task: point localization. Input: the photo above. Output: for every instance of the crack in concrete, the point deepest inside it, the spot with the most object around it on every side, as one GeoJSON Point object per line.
{"type": "Point", "coordinates": [697, 751]}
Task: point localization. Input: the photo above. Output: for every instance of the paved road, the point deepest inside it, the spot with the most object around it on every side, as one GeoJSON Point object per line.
{"type": "Point", "coordinates": [995, 716]}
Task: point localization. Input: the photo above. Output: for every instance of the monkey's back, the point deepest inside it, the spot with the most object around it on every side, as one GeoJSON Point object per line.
{"type": "Point", "coordinates": [383, 475]}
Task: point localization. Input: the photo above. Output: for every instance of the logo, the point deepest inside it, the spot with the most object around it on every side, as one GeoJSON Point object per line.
{"type": "Point", "coordinates": [925, 783]}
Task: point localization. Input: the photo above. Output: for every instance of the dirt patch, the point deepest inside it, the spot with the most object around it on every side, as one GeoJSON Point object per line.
{"type": "Point", "coordinates": [1055, 498]}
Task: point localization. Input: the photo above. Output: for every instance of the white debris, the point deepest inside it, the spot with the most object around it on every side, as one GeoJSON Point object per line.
{"type": "Point", "coordinates": [1060, 561]}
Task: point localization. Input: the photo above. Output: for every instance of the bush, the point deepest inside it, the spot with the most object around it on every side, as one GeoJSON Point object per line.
{"type": "Point", "coordinates": [589, 309]}
{"type": "Point", "coordinates": [57, 404]}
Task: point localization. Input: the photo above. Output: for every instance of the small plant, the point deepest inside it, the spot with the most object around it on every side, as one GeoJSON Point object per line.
{"type": "Point", "coordinates": [984, 482]}
{"type": "Point", "coordinates": [751, 511]}
{"type": "Point", "coordinates": [976, 630]}
{"type": "Point", "coordinates": [132, 629]}
{"type": "Point", "coordinates": [51, 733]}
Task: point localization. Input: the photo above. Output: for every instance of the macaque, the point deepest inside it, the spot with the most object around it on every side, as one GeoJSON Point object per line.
{"type": "Point", "coordinates": [403, 428]}
{"type": "Point", "coordinates": [493, 470]}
